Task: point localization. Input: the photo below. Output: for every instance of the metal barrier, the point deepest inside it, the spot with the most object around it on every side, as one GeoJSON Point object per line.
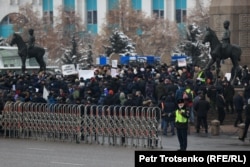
{"type": "Point", "coordinates": [114, 125]}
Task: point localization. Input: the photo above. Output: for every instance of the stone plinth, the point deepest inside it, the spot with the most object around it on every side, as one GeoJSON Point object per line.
{"type": "Point", "coordinates": [215, 127]}
{"type": "Point", "coordinates": [238, 13]}
{"type": "Point", "coordinates": [241, 128]}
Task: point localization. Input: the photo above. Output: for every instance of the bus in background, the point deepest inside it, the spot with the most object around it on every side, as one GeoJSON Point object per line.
{"type": "Point", "coordinates": [10, 60]}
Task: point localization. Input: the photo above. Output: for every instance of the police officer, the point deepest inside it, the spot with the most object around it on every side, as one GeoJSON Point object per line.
{"type": "Point", "coordinates": [181, 123]}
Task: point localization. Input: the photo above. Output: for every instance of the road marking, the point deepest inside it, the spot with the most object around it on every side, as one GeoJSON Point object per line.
{"type": "Point", "coordinates": [39, 149]}
{"type": "Point", "coordinates": [65, 163]}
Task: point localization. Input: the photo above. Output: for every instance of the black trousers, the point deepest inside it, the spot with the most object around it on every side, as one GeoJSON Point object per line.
{"type": "Point", "coordinates": [182, 138]}
{"type": "Point", "coordinates": [221, 114]}
{"type": "Point", "coordinates": [202, 121]}
{"type": "Point", "coordinates": [247, 123]}
{"type": "Point", "coordinates": [239, 117]}
{"type": "Point", "coordinates": [229, 103]}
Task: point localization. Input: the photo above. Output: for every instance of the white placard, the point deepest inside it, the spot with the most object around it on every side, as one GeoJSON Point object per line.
{"type": "Point", "coordinates": [14, 87]}
{"type": "Point", "coordinates": [86, 74]}
{"type": "Point", "coordinates": [182, 62]}
{"type": "Point", "coordinates": [69, 69]}
{"type": "Point", "coordinates": [114, 72]}
{"type": "Point", "coordinates": [132, 58]}
{"type": "Point", "coordinates": [228, 76]}
{"type": "Point", "coordinates": [97, 60]}
{"type": "Point", "coordinates": [45, 93]}
{"type": "Point", "coordinates": [142, 59]}
{"type": "Point", "coordinates": [114, 63]}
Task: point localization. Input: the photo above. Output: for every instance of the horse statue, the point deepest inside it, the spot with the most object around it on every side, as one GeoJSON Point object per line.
{"type": "Point", "coordinates": [219, 53]}
{"type": "Point", "coordinates": [24, 52]}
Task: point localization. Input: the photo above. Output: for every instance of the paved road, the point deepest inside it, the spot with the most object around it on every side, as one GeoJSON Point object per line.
{"type": "Point", "coordinates": [39, 153]}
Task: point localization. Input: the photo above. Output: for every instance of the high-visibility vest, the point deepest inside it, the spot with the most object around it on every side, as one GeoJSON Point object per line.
{"type": "Point", "coordinates": [202, 79]}
{"type": "Point", "coordinates": [180, 118]}
{"type": "Point", "coordinates": [189, 91]}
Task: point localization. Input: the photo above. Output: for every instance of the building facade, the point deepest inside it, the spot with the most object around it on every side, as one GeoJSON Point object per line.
{"type": "Point", "coordinates": [93, 12]}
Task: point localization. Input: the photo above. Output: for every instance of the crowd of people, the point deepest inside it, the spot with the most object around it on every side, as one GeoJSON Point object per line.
{"type": "Point", "coordinates": [144, 85]}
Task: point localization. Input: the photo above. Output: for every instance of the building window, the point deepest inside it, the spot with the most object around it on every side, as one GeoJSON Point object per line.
{"type": "Point", "coordinates": [91, 6]}
{"type": "Point", "coordinates": [48, 11]}
{"type": "Point", "coordinates": [158, 13]}
{"type": "Point", "coordinates": [6, 20]}
{"type": "Point", "coordinates": [91, 11]}
{"type": "Point", "coordinates": [48, 17]}
{"type": "Point", "coordinates": [158, 8]}
{"type": "Point", "coordinates": [14, 18]}
{"type": "Point", "coordinates": [92, 17]}
{"type": "Point", "coordinates": [180, 15]}
{"type": "Point", "coordinates": [180, 11]}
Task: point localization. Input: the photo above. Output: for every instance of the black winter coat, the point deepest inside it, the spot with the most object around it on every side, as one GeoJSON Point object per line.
{"type": "Point", "coordinates": [220, 101]}
{"type": "Point", "coordinates": [247, 109]}
{"type": "Point", "coordinates": [202, 107]}
{"type": "Point", "coordinates": [238, 102]}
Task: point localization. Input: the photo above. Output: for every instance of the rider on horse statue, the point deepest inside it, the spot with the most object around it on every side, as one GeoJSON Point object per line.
{"type": "Point", "coordinates": [29, 51]}
{"type": "Point", "coordinates": [225, 40]}
{"type": "Point", "coordinates": [32, 39]}
{"type": "Point", "coordinates": [226, 35]}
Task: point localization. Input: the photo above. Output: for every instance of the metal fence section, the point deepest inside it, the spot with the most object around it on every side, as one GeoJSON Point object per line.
{"type": "Point", "coordinates": [114, 125]}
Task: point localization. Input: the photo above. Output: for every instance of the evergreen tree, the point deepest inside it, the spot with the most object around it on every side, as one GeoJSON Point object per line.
{"type": "Point", "coordinates": [120, 43]}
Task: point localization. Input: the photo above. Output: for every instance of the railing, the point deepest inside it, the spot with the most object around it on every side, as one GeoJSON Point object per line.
{"type": "Point", "coordinates": [114, 125]}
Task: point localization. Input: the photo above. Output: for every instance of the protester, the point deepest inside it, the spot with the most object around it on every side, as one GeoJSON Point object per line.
{"type": "Point", "coordinates": [228, 94]}
{"type": "Point", "coordinates": [211, 94]}
{"type": "Point", "coordinates": [167, 106]}
{"type": "Point", "coordinates": [238, 101]}
{"type": "Point", "coordinates": [247, 121]}
{"type": "Point", "coordinates": [220, 103]}
{"type": "Point", "coordinates": [202, 107]}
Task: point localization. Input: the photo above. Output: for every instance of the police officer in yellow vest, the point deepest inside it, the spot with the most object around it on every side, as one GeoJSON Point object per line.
{"type": "Point", "coordinates": [181, 124]}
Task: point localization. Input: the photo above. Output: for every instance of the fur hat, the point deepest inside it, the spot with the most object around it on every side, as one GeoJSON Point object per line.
{"type": "Point", "coordinates": [180, 101]}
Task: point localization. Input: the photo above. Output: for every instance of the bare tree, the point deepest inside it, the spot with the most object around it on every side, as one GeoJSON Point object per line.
{"type": "Point", "coordinates": [65, 26]}
{"type": "Point", "coordinates": [199, 14]}
{"type": "Point", "coordinates": [153, 36]}
{"type": "Point", "coordinates": [159, 37]}
{"type": "Point", "coordinates": [55, 34]}
{"type": "Point", "coordinates": [197, 20]}
{"type": "Point", "coordinates": [28, 18]}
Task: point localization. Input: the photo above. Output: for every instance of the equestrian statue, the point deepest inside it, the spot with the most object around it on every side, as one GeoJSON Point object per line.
{"type": "Point", "coordinates": [29, 51]}
{"type": "Point", "coordinates": [221, 51]}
